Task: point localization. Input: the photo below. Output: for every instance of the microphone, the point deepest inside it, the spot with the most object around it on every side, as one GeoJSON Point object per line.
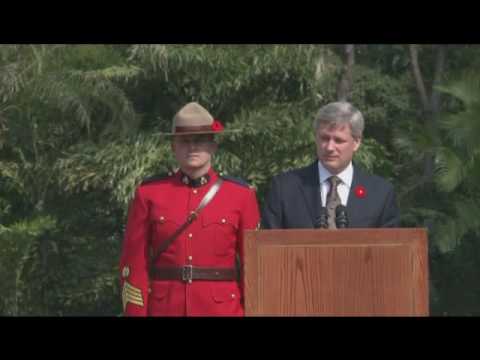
{"type": "Point", "coordinates": [322, 220]}
{"type": "Point", "coordinates": [341, 218]}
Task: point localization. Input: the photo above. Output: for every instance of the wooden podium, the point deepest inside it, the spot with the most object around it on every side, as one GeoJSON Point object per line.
{"type": "Point", "coordinates": [347, 272]}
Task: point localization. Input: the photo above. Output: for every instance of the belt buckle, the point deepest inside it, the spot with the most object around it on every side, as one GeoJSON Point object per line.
{"type": "Point", "coordinates": [187, 273]}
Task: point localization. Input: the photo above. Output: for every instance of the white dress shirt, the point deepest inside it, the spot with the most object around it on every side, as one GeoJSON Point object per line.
{"type": "Point", "coordinates": [343, 187]}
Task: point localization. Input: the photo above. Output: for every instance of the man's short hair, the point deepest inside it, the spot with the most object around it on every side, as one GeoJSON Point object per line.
{"type": "Point", "coordinates": [341, 112]}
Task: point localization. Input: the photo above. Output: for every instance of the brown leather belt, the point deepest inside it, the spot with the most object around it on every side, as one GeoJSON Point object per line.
{"type": "Point", "coordinates": [188, 273]}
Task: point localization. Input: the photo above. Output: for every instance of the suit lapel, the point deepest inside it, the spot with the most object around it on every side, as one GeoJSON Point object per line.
{"type": "Point", "coordinates": [309, 185]}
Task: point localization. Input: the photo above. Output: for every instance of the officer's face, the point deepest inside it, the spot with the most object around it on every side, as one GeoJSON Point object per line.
{"type": "Point", "coordinates": [194, 152]}
{"type": "Point", "coordinates": [336, 146]}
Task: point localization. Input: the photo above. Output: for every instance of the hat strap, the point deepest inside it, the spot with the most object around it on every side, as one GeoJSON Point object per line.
{"type": "Point", "coordinates": [182, 129]}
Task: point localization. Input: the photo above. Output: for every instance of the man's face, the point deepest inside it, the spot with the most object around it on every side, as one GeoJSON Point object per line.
{"type": "Point", "coordinates": [194, 152]}
{"type": "Point", "coordinates": [335, 146]}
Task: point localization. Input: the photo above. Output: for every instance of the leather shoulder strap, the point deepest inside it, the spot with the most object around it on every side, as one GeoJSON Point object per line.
{"type": "Point", "coordinates": [191, 218]}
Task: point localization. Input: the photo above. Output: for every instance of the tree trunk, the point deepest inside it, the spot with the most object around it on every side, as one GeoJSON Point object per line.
{"type": "Point", "coordinates": [344, 88]}
{"type": "Point", "coordinates": [431, 107]}
{"type": "Point", "coordinates": [435, 108]}
{"type": "Point", "coordinates": [439, 69]}
{"type": "Point", "coordinates": [417, 73]}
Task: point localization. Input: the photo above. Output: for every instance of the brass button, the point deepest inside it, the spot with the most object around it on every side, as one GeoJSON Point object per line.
{"type": "Point", "coordinates": [125, 272]}
{"type": "Point", "coordinates": [149, 290]}
{"type": "Point", "coordinates": [190, 281]}
{"type": "Point", "coordinates": [162, 219]}
{"type": "Point", "coordinates": [224, 221]}
{"type": "Point", "coordinates": [233, 296]}
{"type": "Point", "coordinates": [195, 191]}
{"type": "Point", "coordinates": [190, 258]}
{"type": "Point", "coordinates": [190, 235]}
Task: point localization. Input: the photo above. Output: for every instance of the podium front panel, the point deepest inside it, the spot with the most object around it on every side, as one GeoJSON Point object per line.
{"type": "Point", "coordinates": [351, 272]}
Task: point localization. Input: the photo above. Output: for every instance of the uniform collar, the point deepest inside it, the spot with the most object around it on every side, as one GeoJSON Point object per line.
{"type": "Point", "coordinates": [198, 182]}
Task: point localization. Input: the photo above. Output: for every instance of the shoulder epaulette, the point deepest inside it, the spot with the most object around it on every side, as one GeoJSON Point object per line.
{"type": "Point", "coordinates": [236, 180]}
{"type": "Point", "coordinates": [156, 178]}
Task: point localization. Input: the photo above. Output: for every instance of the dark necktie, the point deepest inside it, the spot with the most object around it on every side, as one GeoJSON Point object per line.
{"type": "Point", "coordinates": [333, 200]}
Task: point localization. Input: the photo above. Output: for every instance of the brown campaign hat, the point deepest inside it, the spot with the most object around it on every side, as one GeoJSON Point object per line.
{"type": "Point", "coordinates": [194, 119]}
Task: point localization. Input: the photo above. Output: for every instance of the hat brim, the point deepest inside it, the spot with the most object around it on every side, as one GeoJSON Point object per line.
{"type": "Point", "coordinates": [200, 132]}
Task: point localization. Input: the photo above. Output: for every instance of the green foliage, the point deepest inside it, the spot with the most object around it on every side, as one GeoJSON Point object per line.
{"type": "Point", "coordinates": [450, 169]}
{"type": "Point", "coordinates": [49, 104]}
{"type": "Point", "coordinates": [18, 248]}
{"type": "Point", "coordinates": [447, 205]}
{"type": "Point", "coordinates": [281, 133]}
{"type": "Point", "coordinates": [227, 78]}
{"type": "Point", "coordinates": [117, 167]}
{"type": "Point", "coordinates": [375, 158]}
{"type": "Point", "coordinates": [456, 280]}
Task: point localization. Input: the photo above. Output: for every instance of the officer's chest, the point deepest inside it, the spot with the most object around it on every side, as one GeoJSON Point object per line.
{"type": "Point", "coordinates": [173, 206]}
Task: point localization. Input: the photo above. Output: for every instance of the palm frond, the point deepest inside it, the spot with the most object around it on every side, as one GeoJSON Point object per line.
{"type": "Point", "coordinates": [123, 73]}
{"type": "Point", "coordinates": [446, 236]}
{"type": "Point", "coordinates": [415, 141]}
{"type": "Point", "coordinates": [11, 79]}
{"type": "Point", "coordinates": [463, 128]}
{"type": "Point", "coordinates": [450, 169]}
{"type": "Point", "coordinates": [463, 88]}
{"type": "Point", "coordinates": [115, 166]}
{"type": "Point", "coordinates": [450, 231]}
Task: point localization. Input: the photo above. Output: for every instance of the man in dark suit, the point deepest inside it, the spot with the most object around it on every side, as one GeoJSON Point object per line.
{"type": "Point", "coordinates": [332, 189]}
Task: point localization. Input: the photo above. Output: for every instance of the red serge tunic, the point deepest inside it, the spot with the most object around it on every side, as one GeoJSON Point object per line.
{"type": "Point", "coordinates": [159, 208]}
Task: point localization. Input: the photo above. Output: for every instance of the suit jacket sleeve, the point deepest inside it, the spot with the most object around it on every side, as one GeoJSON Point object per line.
{"type": "Point", "coordinates": [272, 214]}
{"type": "Point", "coordinates": [390, 214]}
{"type": "Point", "coordinates": [134, 259]}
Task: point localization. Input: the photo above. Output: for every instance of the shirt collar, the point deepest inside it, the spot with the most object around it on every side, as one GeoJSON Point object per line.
{"type": "Point", "coordinates": [346, 175]}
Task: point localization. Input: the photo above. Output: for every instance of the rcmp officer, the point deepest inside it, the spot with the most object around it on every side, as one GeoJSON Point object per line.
{"type": "Point", "coordinates": [185, 231]}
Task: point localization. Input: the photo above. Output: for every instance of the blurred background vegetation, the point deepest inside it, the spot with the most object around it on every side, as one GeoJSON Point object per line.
{"type": "Point", "coordinates": [79, 130]}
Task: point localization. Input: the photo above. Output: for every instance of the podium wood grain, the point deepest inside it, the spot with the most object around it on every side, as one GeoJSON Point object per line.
{"type": "Point", "coordinates": [348, 272]}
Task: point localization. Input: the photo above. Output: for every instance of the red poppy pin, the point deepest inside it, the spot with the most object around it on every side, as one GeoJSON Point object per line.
{"type": "Point", "coordinates": [360, 191]}
{"type": "Point", "coordinates": [217, 126]}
